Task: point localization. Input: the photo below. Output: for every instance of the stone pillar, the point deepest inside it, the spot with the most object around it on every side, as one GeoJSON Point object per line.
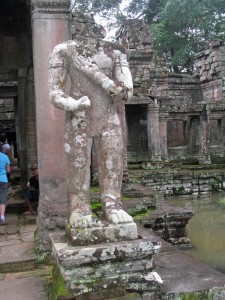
{"type": "Point", "coordinates": [204, 137]}
{"type": "Point", "coordinates": [50, 27]}
{"type": "Point", "coordinates": [22, 118]}
{"type": "Point", "coordinates": [31, 138]}
{"type": "Point", "coordinates": [153, 131]}
{"type": "Point", "coordinates": [163, 136]}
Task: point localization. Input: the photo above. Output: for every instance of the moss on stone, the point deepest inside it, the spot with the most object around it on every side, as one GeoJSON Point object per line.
{"type": "Point", "coordinates": [129, 197]}
{"type": "Point", "coordinates": [139, 215]}
{"type": "Point", "coordinates": [96, 205]}
{"type": "Point", "coordinates": [222, 201]}
{"type": "Point", "coordinates": [60, 289]}
{"type": "Point", "coordinates": [94, 189]}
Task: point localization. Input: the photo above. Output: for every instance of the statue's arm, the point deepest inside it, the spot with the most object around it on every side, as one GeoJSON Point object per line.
{"type": "Point", "coordinates": [123, 75]}
{"type": "Point", "coordinates": [58, 73]}
{"type": "Point", "coordinates": [93, 73]}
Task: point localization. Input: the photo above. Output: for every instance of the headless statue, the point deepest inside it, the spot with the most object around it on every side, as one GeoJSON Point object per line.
{"type": "Point", "coordinates": [100, 77]}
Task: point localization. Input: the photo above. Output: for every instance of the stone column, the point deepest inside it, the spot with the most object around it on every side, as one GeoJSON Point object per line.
{"type": "Point", "coordinates": [22, 120]}
{"type": "Point", "coordinates": [50, 27]}
{"type": "Point", "coordinates": [204, 136]}
{"type": "Point", "coordinates": [163, 136]}
{"type": "Point", "coordinates": [153, 131]}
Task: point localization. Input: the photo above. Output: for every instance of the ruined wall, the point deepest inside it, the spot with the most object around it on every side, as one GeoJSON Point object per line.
{"type": "Point", "coordinates": [190, 121]}
{"type": "Point", "coordinates": [134, 35]}
{"type": "Point", "coordinates": [211, 69]}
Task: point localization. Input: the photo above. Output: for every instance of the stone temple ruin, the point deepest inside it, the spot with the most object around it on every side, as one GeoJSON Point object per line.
{"type": "Point", "coordinates": [171, 119]}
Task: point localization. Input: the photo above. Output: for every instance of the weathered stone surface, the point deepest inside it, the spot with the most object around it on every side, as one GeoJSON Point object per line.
{"type": "Point", "coordinates": [100, 83]}
{"type": "Point", "coordinates": [111, 268]}
{"type": "Point", "coordinates": [12, 229]}
{"type": "Point", "coordinates": [104, 234]}
{"type": "Point", "coordinates": [74, 256]}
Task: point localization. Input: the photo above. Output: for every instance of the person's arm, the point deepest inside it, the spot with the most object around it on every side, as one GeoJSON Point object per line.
{"type": "Point", "coordinates": [8, 169]}
{"type": "Point", "coordinates": [9, 153]}
{"type": "Point", "coordinates": [58, 73]}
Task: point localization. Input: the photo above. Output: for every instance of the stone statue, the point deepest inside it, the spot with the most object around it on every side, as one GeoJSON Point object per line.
{"type": "Point", "coordinates": [100, 77]}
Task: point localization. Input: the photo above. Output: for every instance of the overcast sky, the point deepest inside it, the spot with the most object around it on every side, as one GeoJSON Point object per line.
{"type": "Point", "coordinates": [103, 22]}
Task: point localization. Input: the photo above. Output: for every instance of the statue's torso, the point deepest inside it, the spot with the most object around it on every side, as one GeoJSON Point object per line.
{"type": "Point", "coordinates": [102, 114]}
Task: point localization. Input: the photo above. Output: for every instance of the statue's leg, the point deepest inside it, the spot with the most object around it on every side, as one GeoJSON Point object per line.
{"type": "Point", "coordinates": [78, 154]}
{"type": "Point", "coordinates": [110, 165]}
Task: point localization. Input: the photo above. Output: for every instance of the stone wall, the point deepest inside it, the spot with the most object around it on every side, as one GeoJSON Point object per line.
{"type": "Point", "coordinates": [186, 113]}
{"type": "Point", "coordinates": [169, 182]}
{"type": "Point", "coordinates": [211, 69]}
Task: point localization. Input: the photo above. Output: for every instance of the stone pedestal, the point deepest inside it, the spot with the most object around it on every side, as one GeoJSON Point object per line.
{"type": "Point", "coordinates": [105, 234]}
{"type": "Point", "coordinates": [107, 270]}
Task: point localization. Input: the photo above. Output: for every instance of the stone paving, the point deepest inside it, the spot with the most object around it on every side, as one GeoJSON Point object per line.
{"type": "Point", "coordinates": [182, 274]}
{"type": "Point", "coordinates": [21, 278]}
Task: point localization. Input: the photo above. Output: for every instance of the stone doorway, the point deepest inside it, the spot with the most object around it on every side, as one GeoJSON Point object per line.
{"type": "Point", "coordinates": [137, 137]}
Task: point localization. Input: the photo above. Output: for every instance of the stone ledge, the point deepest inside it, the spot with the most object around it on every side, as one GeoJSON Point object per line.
{"type": "Point", "coordinates": [68, 255]}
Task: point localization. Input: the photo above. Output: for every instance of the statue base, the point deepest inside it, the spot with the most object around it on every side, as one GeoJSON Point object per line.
{"type": "Point", "coordinates": [106, 270]}
{"type": "Point", "coordinates": [107, 233]}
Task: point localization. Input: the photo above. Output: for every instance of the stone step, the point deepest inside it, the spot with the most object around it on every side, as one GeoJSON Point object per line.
{"type": "Point", "coordinates": [17, 244]}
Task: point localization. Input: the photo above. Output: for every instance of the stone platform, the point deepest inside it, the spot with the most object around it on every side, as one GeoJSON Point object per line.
{"type": "Point", "coordinates": [22, 277]}
{"type": "Point", "coordinates": [93, 271]}
{"type": "Point", "coordinates": [184, 277]}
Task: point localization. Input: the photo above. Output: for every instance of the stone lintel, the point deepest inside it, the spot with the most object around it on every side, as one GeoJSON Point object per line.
{"type": "Point", "coordinates": [105, 234]}
{"type": "Point", "coordinates": [68, 255]}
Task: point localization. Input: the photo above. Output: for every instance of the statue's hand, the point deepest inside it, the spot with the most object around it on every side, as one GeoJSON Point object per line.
{"type": "Point", "coordinates": [78, 105]}
{"type": "Point", "coordinates": [117, 90]}
{"type": "Point", "coordinates": [83, 103]}
{"type": "Point", "coordinates": [111, 87]}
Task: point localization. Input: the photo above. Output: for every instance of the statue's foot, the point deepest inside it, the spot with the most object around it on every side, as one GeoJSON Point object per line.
{"type": "Point", "coordinates": [118, 216]}
{"type": "Point", "coordinates": [82, 220]}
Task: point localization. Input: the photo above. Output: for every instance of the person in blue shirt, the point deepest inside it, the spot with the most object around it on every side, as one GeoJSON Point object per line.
{"type": "Point", "coordinates": [4, 169]}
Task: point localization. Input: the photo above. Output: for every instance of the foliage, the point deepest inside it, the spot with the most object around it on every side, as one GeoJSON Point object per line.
{"type": "Point", "coordinates": [179, 28]}
{"type": "Point", "coordinates": [179, 38]}
{"type": "Point", "coordinates": [222, 201]}
{"type": "Point", "coordinates": [214, 184]}
{"type": "Point", "coordinates": [109, 10]}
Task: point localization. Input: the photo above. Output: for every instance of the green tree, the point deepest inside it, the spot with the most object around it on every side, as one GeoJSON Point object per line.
{"type": "Point", "coordinates": [183, 27]}
{"type": "Point", "coordinates": [179, 28]}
